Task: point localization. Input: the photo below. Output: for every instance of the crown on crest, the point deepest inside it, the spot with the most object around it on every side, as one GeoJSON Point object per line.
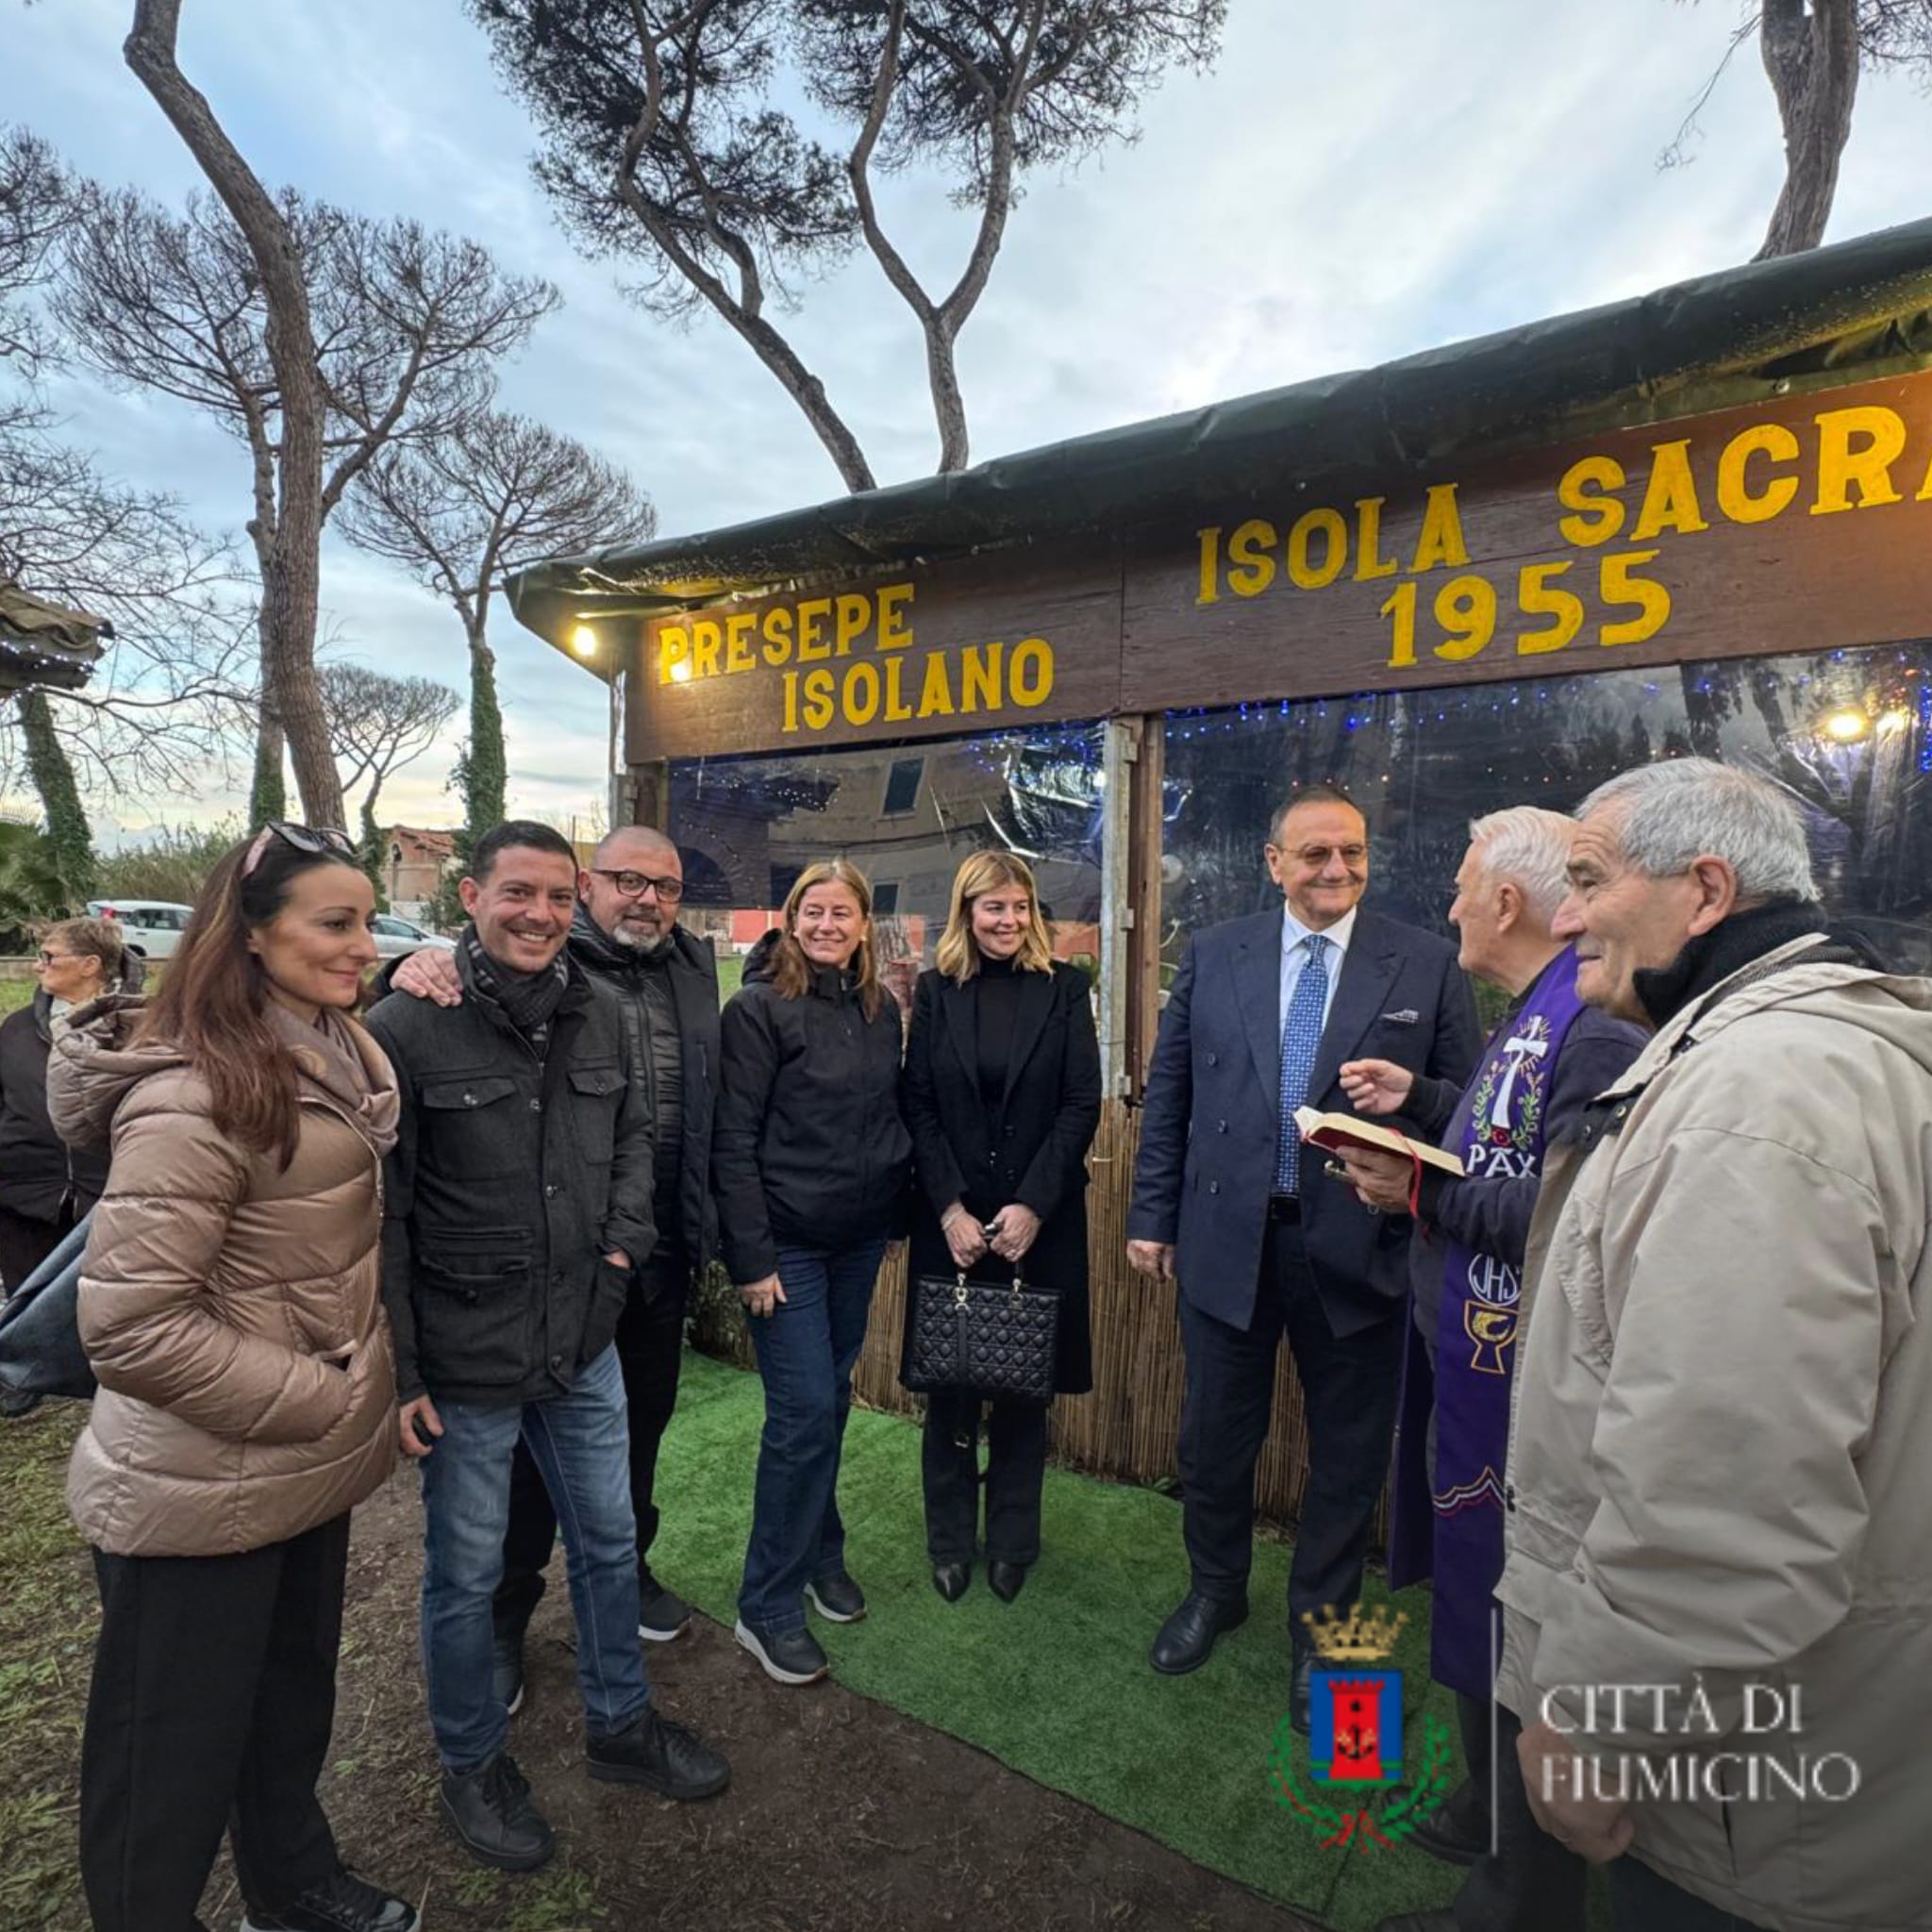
{"type": "Point", "coordinates": [1354, 1638]}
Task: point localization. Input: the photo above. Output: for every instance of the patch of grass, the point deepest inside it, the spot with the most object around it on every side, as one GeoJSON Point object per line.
{"type": "Point", "coordinates": [564, 1899]}
{"type": "Point", "coordinates": [1057, 1683]}
{"type": "Point", "coordinates": [48, 1617]}
{"type": "Point", "coordinates": [15, 993]}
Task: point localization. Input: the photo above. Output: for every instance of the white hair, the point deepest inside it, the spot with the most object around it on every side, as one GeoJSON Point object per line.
{"type": "Point", "coordinates": [1674, 812]}
{"type": "Point", "coordinates": [1529, 847]}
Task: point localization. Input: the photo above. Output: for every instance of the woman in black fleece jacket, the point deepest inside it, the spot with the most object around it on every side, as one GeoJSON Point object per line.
{"type": "Point", "coordinates": [809, 1160]}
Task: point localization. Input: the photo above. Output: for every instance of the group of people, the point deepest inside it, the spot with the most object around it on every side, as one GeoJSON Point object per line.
{"type": "Point", "coordinates": [1657, 1349]}
{"type": "Point", "coordinates": [1685, 1248]}
{"type": "Point", "coordinates": [465, 1227]}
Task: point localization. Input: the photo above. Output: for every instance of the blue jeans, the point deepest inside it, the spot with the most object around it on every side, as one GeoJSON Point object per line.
{"type": "Point", "coordinates": [581, 1445]}
{"type": "Point", "coordinates": [806, 1349]}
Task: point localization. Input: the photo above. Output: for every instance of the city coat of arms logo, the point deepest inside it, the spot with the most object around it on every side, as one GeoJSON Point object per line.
{"type": "Point", "coordinates": [1355, 1793]}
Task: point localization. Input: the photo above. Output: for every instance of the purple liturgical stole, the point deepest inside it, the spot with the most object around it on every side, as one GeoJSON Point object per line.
{"type": "Point", "coordinates": [1498, 1129]}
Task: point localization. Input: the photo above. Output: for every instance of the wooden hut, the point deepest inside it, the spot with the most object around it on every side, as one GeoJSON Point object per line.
{"type": "Point", "coordinates": [1699, 521]}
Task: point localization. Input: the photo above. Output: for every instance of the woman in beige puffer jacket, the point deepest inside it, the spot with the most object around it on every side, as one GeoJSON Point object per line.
{"type": "Point", "coordinates": [229, 1306]}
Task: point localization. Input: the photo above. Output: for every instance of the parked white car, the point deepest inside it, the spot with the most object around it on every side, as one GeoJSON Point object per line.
{"type": "Point", "coordinates": [395, 936]}
{"type": "Point", "coordinates": [150, 929]}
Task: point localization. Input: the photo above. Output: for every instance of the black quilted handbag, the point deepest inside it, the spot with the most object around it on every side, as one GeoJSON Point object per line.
{"type": "Point", "coordinates": [998, 1339]}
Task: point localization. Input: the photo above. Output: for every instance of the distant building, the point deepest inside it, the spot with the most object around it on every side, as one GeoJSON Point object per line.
{"type": "Point", "coordinates": [414, 861]}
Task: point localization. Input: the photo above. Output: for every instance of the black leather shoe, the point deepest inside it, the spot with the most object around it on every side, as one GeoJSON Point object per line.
{"type": "Point", "coordinates": [788, 1657]}
{"type": "Point", "coordinates": [1441, 1921]}
{"type": "Point", "coordinates": [1186, 1639]}
{"type": "Point", "coordinates": [507, 1669]}
{"type": "Point", "coordinates": [1005, 1580]}
{"type": "Point", "coordinates": [491, 1812]}
{"type": "Point", "coordinates": [342, 1903]}
{"type": "Point", "coordinates": [950, 1579]}
{"type": "Point", "coordinates": [836, 1598]}
{"type": "Point", "coordinates": [1459, 1833]}
{"type": "Point", "coordinates": [1301, 1691]}
{"type": "Point", "coordinates": [661, 1756]}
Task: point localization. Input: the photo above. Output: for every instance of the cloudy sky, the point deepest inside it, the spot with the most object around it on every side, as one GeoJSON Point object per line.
{"type": "Point", "coordinates": [1346, 186]}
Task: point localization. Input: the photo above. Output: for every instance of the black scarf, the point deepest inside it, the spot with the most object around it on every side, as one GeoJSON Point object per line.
{"type": "Point", "coordinates": [529, 1000]}
{"type": "Point", "coordinates": [596, 947]}
{"type": "Point", "coordinates": [1725, 949]}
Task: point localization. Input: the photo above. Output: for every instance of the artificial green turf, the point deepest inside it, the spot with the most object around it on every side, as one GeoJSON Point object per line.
{"type": "Point", "coordinates": [1057, 1683]}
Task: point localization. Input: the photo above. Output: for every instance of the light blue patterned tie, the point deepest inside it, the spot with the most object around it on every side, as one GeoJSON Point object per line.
{"type": "Point", "coordinates": [1301, 1034]}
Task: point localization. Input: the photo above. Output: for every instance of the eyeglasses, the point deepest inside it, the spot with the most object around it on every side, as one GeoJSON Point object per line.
{"type": "Point", "coordinates": [1352, 856]}
{"type": "Point", "coordinates": [49, 959]}
{"type": "Point", "coordinates": [634, 885]}
{"type": "Point", "coordinates": [303, 837]}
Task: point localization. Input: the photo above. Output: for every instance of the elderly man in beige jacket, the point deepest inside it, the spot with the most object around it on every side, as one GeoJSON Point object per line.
{"type": "Point", "coordinates": [1718, 1590]}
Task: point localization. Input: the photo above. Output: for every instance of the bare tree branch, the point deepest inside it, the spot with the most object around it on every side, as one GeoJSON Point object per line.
{"type": "Point", "coordinates": [662, 142]}
{"type": "Point", "coordinates": [406, 325]}
{"type": "Point", "coordinates": [461, 514]}
{"type": "Point", "coordinates": [1813, 63]}
{"type": "Point", "coordinates": [35, 207]}
{"type": "Point", "coordinates": [1813, 52]}
{"type": "Point", "coordinates": [176, 685]}
{"type": "Point", "coordinates": [379, 725]}
{"type": "Point", "coordinates": [292, 579]}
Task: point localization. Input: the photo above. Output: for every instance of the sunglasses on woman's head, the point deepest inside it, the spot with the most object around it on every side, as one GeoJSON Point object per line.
{"type": "Point", "coordinates": [303, 837]}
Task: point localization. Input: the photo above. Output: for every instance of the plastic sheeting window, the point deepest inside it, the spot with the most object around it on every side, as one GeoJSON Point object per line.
{"type": "Point", "coordinates": [1847, 733]}
{"type": "Point", "coordinates": [907, 818]}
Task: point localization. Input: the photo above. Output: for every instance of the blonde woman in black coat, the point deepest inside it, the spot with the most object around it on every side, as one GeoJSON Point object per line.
{"type": "Point", "coordinates": [1003, 1097]}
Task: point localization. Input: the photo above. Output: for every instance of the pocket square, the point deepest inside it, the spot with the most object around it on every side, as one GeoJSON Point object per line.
{"type": "Point", "coordinates": [1408, 1017]}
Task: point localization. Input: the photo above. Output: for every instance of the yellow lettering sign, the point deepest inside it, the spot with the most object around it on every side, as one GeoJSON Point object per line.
{"type": "Point", "coordinates": [1857, 449]}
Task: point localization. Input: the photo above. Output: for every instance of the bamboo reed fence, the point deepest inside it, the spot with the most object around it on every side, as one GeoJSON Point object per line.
{"type": "Point", "coordinates": [1126, 1428]}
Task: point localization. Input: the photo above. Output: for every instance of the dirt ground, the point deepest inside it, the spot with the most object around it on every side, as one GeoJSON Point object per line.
{"type": "Point", "coordinates": [843, 1816]}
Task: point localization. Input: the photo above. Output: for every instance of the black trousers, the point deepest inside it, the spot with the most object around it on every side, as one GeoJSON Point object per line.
{"type": "Point", "coordinates": [1645, 1901]}
{"type": "Point", "coordinates": [1530, 1883]}
{"type": "Point", "coordinates": [1349, 1384]}
{"type": "Point", "coordinates": [25, 1243]}
{"type": "Point", "coordinates": [650, 1351]}
{"type": "Point", "coordinates": [214, 1688]}
{"type": "Point", "coordinates": [1015, 1469]}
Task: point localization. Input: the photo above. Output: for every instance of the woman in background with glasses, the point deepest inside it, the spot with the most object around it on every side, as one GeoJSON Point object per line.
{"type": "Point", "coordinates": [1003, 1097]}
{"type": "Point", "coordinates": [229, 1306]}
{"type": "Point", "coordinates": [45, 1186]}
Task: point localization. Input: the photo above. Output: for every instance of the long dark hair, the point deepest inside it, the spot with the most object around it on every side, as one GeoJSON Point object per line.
{"type": "Point", "coordinates": [213, 997]}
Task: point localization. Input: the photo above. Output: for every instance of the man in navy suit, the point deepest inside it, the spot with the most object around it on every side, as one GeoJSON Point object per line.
{"type": "Point", "coordinates": [1263, 1012]}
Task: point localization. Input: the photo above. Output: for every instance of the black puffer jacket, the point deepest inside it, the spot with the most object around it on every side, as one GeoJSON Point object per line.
{"type": "Point", "coordinates": [687, 971]}
{"type": "Point", "coordinates": [809, 1145]}
{"type": "Point", "coordinates": [39, 1171]}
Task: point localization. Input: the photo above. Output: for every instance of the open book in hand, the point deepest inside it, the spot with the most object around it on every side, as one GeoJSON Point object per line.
{"type": "Point", "coordinates": [1333, 1131]}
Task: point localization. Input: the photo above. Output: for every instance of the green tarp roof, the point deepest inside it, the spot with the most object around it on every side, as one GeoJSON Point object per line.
{"type": "Point", "coordinates": [1859, 308]}
{"type": "Point", "coordinates": [46, 644]}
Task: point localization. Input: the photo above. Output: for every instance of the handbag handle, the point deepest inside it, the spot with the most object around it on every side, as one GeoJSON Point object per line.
{"type": "Point", "coordinates": [960, 1286]}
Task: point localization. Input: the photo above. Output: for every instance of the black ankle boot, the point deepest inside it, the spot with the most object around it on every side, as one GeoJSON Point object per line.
{"type": "Point", "coordinates": [1005, 1580]}
{"type": "Point", "coordinates": [950, 1579]}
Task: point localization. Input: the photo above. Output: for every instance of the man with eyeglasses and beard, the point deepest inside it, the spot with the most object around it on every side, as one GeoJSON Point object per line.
{"type": "Point", "coordinates": [626, 936]}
